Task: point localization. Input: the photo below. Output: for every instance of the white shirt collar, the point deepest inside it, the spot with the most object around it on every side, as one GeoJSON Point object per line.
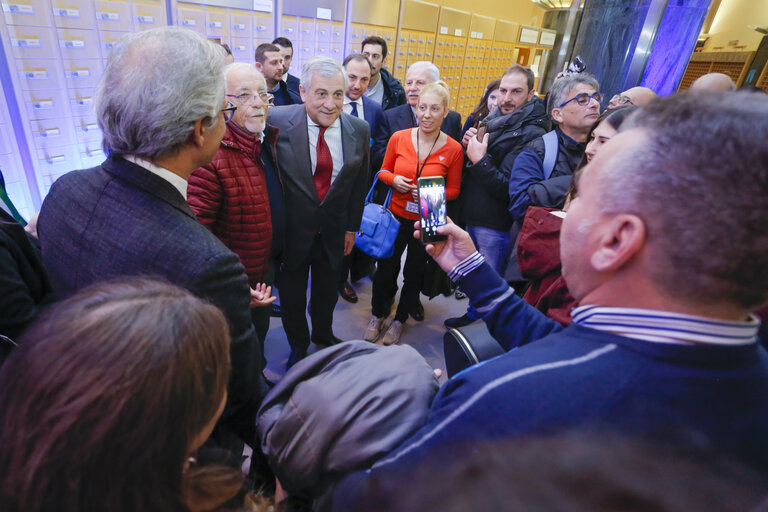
{"type": "Point", "coordinates": [336, 123]}
{"type": "Point", "coordinates": [667, 327]}
{"type": "Point", "coordinates": [174, 179]}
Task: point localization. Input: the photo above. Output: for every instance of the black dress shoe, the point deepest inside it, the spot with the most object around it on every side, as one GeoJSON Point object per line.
{"type": "Point", "coordinates": [458, 321]}
{"type": "Point", "coordinates": [276, 311]}
{"type": "Point", "coordinates": [294, 358]}
{"type": "Point", "coordinates": [348, 293]}
{"type": "Point", "coordinates": [335, 341]}
{"type": "Point", "coordinates": [418, 312]}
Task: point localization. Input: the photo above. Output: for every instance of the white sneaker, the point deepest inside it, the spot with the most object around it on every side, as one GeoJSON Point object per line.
{"type": "Point", "coordinates": [393, 333]}
{"type": "Point", "coordinates": [373, 330]}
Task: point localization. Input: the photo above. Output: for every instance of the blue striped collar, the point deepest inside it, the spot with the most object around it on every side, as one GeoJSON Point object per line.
{"type": "Point", "coordinates": [666, 327]}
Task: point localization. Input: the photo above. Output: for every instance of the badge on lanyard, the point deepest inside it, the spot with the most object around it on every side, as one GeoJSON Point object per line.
{"type": "Point", "coordinates": [412, 207]}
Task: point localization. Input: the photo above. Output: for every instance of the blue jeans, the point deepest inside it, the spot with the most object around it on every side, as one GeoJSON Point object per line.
{"type": "Point", "coordinates": [494, 245]}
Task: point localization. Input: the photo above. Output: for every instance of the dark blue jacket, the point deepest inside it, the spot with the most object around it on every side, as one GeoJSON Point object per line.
{"type": "Point", "coordinates": [373, 114]}
{"type": "Point", "coordinates": [117, 220]}
{"type": "Point", "coordinates": [527, 186]}
{"type": "Point", "coordinates": [293, 85]}
{"type": "Point", "coordinates": [284, 95]}
{"type": "Point", "coordinates": [577, 377]}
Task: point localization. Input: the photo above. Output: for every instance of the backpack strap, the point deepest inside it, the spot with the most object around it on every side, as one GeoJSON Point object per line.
{"type": "Point", "coordinates": [550, 152]}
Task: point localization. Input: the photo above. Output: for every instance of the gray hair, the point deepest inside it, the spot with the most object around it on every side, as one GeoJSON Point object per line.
{"type": "Point", "coordinates": [156, 85]}
{"type": "Point", "coordinates": [235, 66]}
{"type": "Point", "coordinates": [323, 66]}
{"type": "Point", "coordinates": [434, 71]}
{"type": "Point", "coordinates": [700, 184]}
{"type": "Point", "coordinates": [558, 93]}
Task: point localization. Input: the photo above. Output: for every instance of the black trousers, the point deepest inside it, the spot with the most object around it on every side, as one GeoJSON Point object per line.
{"type": "Point", "coordinates": [355, 264]}
{"type": "Point", "coordinates": [323, 294]}
{"type": "Point", "coordinates": [385, 279]}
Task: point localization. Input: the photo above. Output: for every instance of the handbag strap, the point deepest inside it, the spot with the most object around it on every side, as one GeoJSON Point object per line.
{"type": "Point", "coordinates": [369, 197]}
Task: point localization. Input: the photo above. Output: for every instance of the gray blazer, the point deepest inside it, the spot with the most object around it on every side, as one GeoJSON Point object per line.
{"type": "Point", "coordinates": [118, 220]}
{"type": "Point", "coordinates": [342, 208]}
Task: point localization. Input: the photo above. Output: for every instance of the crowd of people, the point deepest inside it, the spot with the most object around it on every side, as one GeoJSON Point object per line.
{"type": "Point", "coordinates": [609, 253]}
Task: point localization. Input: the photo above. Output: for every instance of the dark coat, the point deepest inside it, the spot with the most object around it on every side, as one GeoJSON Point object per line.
{"type": "Point", "coordinates": [25, 291]}
{"type": "Point", "coordinates": [285, 95]}
{"type": "Point", "coordinates": [342, 208]}
{"type": "Point", "coordinates": [394, 94]}
{"type": "Point", "coordinates": [118, 220]}
{"type": "Point", "coordinates": [340, 409]}
{"type": "Point", "coordinates": [293, 85]}
{"type": "Point", "coordinates": [485, 186]}
{"type": "Point", "coordinates": [230, 197]}
{"type": "Point", "coordinates": [527, 187]}
{"type": "Point", "coordinates": [401, 118]}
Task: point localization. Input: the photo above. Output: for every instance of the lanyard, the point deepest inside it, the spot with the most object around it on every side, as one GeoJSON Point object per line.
{"type": "Point", "coordinates": [418, 148]}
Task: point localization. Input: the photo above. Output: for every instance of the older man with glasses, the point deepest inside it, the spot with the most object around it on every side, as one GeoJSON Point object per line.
{"type": "Point", "coordinates": [637, 96]}
{"type": "Point", "coordinates": [238, 195]}
{"type": "Point", "coordinates": [542, 172]}
{"type": "Point", "coordinates": [161, 120]}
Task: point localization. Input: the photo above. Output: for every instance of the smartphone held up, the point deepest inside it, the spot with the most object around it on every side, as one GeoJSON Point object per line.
{"type": "Point", "coordinates": [432, 208]}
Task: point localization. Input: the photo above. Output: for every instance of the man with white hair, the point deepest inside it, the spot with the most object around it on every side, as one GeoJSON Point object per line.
{"type": "Point", "coordinates": [238, 195]}
{"type": "Point", "coordinates": [161, 107]}
{"type": "Point", "coordinates": [419, 74]}
{"type": "Point", "coordinates": [324, 163]}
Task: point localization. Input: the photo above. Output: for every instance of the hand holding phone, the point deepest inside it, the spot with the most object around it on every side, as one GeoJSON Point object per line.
{"type": "Point", "coordinates": [432, 208]}
{"type": "Point", "coordinates": [482, 128]}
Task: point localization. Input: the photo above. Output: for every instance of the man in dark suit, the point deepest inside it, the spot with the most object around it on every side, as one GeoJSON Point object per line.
{"type": "Point", "coordinates": [399, 118]}
{"type": "Point", "coordinates": [129, 216]}
{"type": "Point", "coordinates": [286, 50]}
{"type": "Point", "coordinates": [324, 158]}
{"type": "Point", "coordinates": [359, 70]}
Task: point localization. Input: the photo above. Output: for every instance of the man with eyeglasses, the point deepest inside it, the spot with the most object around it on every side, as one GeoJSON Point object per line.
{"type": "Point", "coordinates": [129, 216]}
{"type": "Point", "coordinates": [636, 96]}
{"type": "Point", "coordinates": [574, 106]}
{"type": "Point", "coordinates": [238, 195]}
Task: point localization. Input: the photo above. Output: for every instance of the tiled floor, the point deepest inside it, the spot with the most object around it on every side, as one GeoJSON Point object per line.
{"type": "Point", "coordinates": [350, 320]}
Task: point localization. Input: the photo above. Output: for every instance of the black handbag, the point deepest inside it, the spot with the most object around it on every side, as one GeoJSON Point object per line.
{"type": "Point", "coordinates": [468, 345]}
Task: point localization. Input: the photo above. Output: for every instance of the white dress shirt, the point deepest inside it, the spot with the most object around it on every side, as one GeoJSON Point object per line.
{"type": "Point", "coordinates": [332, 139]}
{"type": "Point", "coordinates": [174, 179]}
{"type": "Point", "coordinates": [348, 106]}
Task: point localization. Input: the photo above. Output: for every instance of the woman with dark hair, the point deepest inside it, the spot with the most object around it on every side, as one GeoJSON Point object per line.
{"type": "Point", "coordinates": [484, 107]}
{"type": "Point", "coordinates": [538, 247]}
{"type": "Point", "coordinates": [107, 399]}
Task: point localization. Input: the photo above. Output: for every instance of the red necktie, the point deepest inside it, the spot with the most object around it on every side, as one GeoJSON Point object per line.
{"type": "Point", "coordinates": [324, 166]}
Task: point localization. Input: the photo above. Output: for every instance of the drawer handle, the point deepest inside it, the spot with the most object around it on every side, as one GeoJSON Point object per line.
{"type": "Point", "coordinates": [109, 16]}
{"type": "Point", "coordinates": [144, 18]}
{"type": "Point", "coordinates": [56, 159]}
{"type": "Point", "coordinates": [50, 132]}
{"type": "Point", "coordinates": [43, 104]}
{"type": "Point", "coordinates": [19, 8]}
{"type": "Point", "coordinates": [66, 13]}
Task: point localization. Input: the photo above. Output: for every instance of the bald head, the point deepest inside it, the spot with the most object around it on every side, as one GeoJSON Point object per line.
{"type": "Point", "coordinates": [637, 96]}
{"type": "Point", "coordinates": [713, 82]}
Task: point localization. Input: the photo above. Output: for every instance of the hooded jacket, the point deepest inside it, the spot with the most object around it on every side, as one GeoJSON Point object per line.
{"type": "Point", "coordinates": [394, 94]}
{"type": "Point", "coordinates": [486, 183]}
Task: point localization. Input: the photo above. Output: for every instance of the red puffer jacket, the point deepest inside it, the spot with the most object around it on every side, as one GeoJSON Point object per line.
{"type": "Point", "coordinates": [229, 196]}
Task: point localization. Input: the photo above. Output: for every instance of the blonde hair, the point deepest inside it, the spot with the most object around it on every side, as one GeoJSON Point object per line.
{"type": "Point", "coordinates": [441, 89]}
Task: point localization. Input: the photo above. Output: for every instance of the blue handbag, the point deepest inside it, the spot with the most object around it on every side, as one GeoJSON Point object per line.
{"type": "Point", "coordinates": [379, 227]}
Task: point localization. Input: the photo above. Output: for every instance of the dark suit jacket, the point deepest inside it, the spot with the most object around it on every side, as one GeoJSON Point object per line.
{"type": "Point", "coordinates": [400, 118]}
{"type": "Point", "coordinates": [117, 220]}
{"type": "Point", "coordinates": [342, 208]}
{"type": "Point", "coordinates": [373, 113]}
{"type": "Point", "coordinates": [293, 84]}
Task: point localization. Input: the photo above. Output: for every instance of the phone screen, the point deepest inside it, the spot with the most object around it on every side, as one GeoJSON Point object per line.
{"type": "Point", "coordinates": [431, 208]}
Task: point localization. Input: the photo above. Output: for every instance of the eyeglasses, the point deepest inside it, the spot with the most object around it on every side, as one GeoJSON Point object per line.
{"type": "Point", "coordinates": [247, 98]}
{"type": "Point", "coordinates": [618, 99]}
{"type": "Point", "coordinates": [583, 99]}
{"type": "Point", "coordinates": [229, 111]}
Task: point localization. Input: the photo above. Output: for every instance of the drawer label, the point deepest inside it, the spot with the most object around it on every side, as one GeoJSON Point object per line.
{"type": "Point", "coordinates": [28, 42]}
{"type": "Point", "coordinates": [43, 104]}
{"type": "Point", "coordinates": [215, 24]}
{"type": "Point", "coordinates": [36, 74]}
{"type": "Point", "coordinates": [50, 132]}
{"type": "Point", "coordinates": [110, 16]}
{"type": "Point", "coordinates": [73, 43]}
{"type": "Point", "coordinates": [66, 13]}
{"type": "Point", "coordinates": [238, 26]}
{"type": "Point", "coordinates": [19, 8]}
{"type": "Point", "coordinates": [87, 100]}
{"type": "Point", "coordinates": [188, 22]}
{"type": "Point", "coordinates": [145, 18]}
